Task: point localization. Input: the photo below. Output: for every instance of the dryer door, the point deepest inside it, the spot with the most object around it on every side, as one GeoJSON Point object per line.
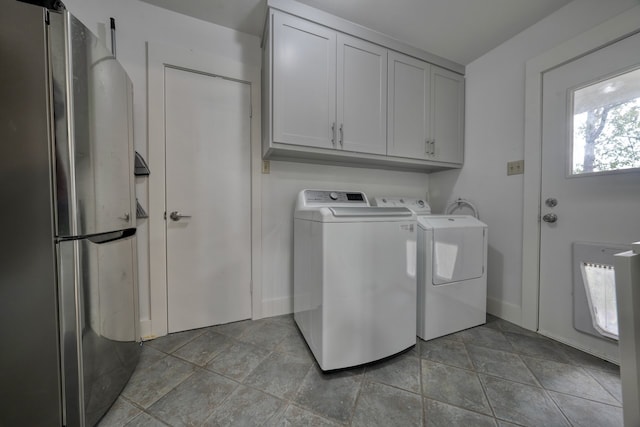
{"type": "Point", "coordinates": [458, 249]}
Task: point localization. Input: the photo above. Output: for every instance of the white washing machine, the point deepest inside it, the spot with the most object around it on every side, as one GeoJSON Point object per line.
{"type": "Point", "coordinates": [354, 277]}
{"type": "Point", "coordinates": [452, 269]}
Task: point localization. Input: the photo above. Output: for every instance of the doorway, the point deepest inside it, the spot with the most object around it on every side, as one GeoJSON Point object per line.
{"type": "Point", "coordinates": [607, 33]}
{"type": "Point", "coordinates": [204, 192]}
{"type": "Point", "coordinates": [590, 183]}
{"type": "Point", "coordinates": [208, 199]}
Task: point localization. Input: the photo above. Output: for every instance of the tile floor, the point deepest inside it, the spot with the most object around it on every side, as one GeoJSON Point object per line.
{"type": "Point", "coordinates": [262, 373]}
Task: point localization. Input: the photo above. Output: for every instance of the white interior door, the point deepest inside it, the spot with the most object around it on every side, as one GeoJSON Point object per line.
{"type": "Point", "coordinates": [590, 161]}
{"type": "Point", "coordinates": [208, 199]}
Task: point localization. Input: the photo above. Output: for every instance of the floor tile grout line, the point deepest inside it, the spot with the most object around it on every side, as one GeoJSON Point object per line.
{"type": "Point", "coordinates": [585, 398]}
{"type": "Point", "coordinates": [422, 398]}
{"type": "Point", "coordinates": [294, 402]}
{"type": "Point", "coordinates": [590, 374]}
{"type": "Point", "coordinates": [533, 375]}
{"type": "Point", "coordinates": [487, 373]}
{"type": "Point", "coordinates": [584, 370]}
{"type": "Point", "coordinates": [566, 417]}
{"type": "Point", "coordinates": [167, 393]}
{"type": "Point", "coordinates": [355, 402]}
{"type": "Point", "coordinates": [371, 380]}
{"type": "Point", "coordinates": [200, 332]}
{"type": "Point", "coordinates": [571, 360]}
{"type": "Point", "coordinates": [459, 407]}
{"type": "Point", "coordinates": [482, 386]}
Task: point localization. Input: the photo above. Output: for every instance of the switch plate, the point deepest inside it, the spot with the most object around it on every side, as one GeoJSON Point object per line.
{"type": "Point", "coordinates": [266, 167]}
{"type": "Point", "coordinates": [515, 167]}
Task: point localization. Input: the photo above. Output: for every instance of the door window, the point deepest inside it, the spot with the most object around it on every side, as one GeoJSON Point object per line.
{"type": "Point", "coordinates": [605, 134]}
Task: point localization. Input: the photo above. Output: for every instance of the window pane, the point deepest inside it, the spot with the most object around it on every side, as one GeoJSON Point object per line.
{"type": "Point", "coordinates": [606, 125]}
{"type": "Point", "coordinates": [599, 281]}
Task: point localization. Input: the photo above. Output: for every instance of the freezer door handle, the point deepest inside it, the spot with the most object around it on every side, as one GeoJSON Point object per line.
{"type": "Point", "coordinates": [110, 237]}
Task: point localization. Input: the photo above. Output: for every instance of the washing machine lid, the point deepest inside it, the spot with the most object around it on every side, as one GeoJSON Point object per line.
{"type": "Point", "coordinates": [459, 245]}
{"type": "Point", "coordinates": [370, 211]}
{"type": "Point", "coordinates": [355, 214]}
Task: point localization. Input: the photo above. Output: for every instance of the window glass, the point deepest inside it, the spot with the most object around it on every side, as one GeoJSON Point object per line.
{"type": "Point", "coordinates": [606, 125]}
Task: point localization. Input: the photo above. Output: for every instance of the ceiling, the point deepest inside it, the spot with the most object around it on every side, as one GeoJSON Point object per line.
{"type": "Point", "coordinates": [459, 30]}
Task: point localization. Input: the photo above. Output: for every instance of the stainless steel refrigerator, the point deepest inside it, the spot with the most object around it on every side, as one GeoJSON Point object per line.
{"type": "Point", "coordinates": [69, 319]}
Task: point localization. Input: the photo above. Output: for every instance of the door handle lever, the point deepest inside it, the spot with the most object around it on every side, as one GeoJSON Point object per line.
{"type": "Point", "coordinates": [177, 216]}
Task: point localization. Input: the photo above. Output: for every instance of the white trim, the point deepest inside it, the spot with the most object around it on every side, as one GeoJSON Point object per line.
{"type": "Point", "coordinates": [579, 346]}
{"type": "Point", "coordinates": [277, 306]}
{"type": "Point", "coordinates": [604, 34]}
{"type": "Point", "coordinates": [504, 310]}
{"type": "Point", "coordinates": [158, 56]}
{"type": "Point", "coordinates": [145, 330]}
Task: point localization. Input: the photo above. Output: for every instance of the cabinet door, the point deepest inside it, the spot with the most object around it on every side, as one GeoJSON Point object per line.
{"type": "Point", "coordinates": [304, 84]}
{"type": "Point", "coordinates": [447, 125]}
{"type": "Point", "coordinates": [408, 107]}
{"type": "Point", "coordinates": [362, 96]}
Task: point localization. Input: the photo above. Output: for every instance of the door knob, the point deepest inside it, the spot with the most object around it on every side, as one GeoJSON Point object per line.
{"type": "Point", "coordinates": [176, 216]}
{"type": "Point", "coordinates": [550, 217]}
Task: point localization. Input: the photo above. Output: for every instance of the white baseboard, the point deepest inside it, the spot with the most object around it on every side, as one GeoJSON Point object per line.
{"type": "Point", "coordinates": [505, 310]}
{"type": "Point", "coordinates": [145, 330]}
{"type": "Point", "coordinates": [277, 306]}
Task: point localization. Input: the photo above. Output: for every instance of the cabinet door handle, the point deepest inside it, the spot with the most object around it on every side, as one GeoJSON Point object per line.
{"type": "Point", "coordinates": [433, 147]}
{"type": "Point", "coordinates": [341, 134]}
{"type": "Point", "coordinates": [426, 147]}
{"type": "Point", "coordinates": [333, 133]}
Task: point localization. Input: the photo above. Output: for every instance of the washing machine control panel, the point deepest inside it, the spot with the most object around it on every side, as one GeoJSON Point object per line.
{"type": "Point", "coordinates": [333, 198]}
{"type": "Point", "coordinates": [419, 206]}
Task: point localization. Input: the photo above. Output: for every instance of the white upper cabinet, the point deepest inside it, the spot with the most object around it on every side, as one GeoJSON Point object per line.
{"type": "Point", "coordinates": [409, 112]}
{"type": "Point", "coordinates": [362, 96]}
{"type": "Point", "coordinates": [447, 123]}
{"type": "Point", "coordinates": [304, 82]}
{"type": "Point", "coordinates": [334, 92]}
{"type": "Point", "coordinates": [426, 111]}
{"type": "Point", "coordinates": [329, 89]}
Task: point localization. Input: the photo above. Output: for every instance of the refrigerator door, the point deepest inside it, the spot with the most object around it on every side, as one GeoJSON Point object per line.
{"type": "Point", "coordinates": [93, 105]}
{"type": "Point", "coordinates": [29, 364]}
{"type": "Point", "coordinates": [99, 322]}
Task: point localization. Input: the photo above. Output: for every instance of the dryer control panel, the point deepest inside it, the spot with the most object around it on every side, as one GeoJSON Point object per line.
{"type": "Point", "coordinates": [418, 206]}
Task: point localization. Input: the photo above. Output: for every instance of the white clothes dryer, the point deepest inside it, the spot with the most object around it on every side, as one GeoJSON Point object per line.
{"type": "Point", "coordinates": [354, 277]}
{"type": "Point", "coordinates": [452, 269]}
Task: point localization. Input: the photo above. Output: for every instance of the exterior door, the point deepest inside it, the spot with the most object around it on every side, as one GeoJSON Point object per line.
{"type": "Point", "coordinates": [590, 187]}
{"type": "Point", "coordinates": [208, 199]}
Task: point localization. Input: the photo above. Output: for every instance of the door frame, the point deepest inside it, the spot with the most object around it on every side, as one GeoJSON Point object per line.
{"type": "Point", "coordinates": [607, 33]}
{"type": "Point", "coordinates": [159, 56]}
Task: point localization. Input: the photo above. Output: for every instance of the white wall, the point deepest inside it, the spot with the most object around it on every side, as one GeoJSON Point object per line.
{"type": "Point", "coordinates": [139, 22]}
{"type": "Point", "coordinates": [494, 135]}
{"type": "Point", "coordinates": [279, 191]}
{"type": "Point", "coordinates": [136, 24]}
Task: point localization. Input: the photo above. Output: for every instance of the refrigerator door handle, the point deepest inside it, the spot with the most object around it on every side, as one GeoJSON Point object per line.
{"type": "Point", "coordinates": [110, 237]}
